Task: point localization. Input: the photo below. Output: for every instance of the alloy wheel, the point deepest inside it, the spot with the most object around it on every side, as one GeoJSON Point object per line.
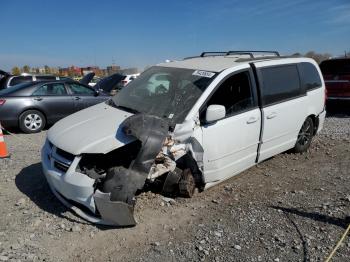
{"type": "Point", "coordinates": [305, 134]}
{"type": "Point", "coordinates": [33, 122]}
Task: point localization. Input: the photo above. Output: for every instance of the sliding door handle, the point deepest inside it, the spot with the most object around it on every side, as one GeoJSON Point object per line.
{"type": "Point", "coordinates": [272, 115]}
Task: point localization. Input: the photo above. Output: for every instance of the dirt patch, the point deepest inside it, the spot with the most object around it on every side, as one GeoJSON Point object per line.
{"type": "Point", "coordinates": [288, 208]}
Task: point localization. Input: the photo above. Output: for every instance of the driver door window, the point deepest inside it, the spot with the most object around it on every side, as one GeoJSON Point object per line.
{"type": "Point", "coordinates": [235, 94]}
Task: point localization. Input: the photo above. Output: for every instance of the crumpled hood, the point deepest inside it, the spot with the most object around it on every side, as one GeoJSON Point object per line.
{"type": "Point", "coordinates": [93, 130]}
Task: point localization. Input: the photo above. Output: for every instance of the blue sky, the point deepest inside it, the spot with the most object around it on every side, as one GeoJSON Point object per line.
{"type": "Point", "coordinates": [140, 33]}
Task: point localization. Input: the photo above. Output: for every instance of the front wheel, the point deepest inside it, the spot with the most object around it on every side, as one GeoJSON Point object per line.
{"type": "Point", "coordinates": [31, 121]}
{"type": "Point", "coordinates": [304, 137]}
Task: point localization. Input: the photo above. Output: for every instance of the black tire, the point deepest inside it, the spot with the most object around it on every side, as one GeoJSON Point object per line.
{"type": "Point", "coordinates": [187, 184]}
{"type": "Point", "coordinates": [304, 137]}
{"type": "Point", "coordinates": [32, 121]}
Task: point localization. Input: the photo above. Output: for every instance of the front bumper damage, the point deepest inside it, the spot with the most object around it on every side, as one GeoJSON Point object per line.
{"type": "Point", "coordinates": [109, 199]}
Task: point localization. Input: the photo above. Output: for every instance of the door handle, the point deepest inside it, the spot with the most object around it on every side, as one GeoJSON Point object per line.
{"type": "Point", "coordinates": [38, 98]}
{"type": "Point", "coordinates": [252, 120]}
{"type": "Point", "coordinates": [272, 115]}
{"type": "Point", "coordinates": [77, 98]}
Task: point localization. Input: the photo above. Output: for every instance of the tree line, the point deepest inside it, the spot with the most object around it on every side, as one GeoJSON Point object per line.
{"type": "Point", "coordinates": [318, 57]}
{"type": "Point", "coordinates": [27, 69]}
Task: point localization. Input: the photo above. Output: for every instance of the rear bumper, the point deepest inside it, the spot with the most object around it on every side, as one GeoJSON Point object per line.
{"type": "Point", "coordinates": [338, 98]}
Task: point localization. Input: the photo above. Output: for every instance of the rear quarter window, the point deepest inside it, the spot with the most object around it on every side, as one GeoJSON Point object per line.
{"type": "Point", "coordinates": [309, 76]}
{"type": "Point", "coordinates": [335, 67]}
{"type": "Point", "coordinates": [279, 83]}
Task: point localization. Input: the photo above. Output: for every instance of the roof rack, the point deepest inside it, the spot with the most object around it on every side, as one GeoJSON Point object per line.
{"type": "Point", "coordinates": [250, 53]}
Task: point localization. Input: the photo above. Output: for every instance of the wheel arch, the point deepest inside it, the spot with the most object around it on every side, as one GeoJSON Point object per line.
{"type": "Point", "coordinates": [32, 108]}
{"type": "Point", "coordinates": [315, 121]}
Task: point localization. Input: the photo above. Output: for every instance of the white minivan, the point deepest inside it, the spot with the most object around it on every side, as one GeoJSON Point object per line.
{"type": "Point", "coordinates": [181, 126]}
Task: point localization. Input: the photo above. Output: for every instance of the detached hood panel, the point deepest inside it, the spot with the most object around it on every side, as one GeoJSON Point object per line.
{"type": "Point", "coordinates": [92, 130]}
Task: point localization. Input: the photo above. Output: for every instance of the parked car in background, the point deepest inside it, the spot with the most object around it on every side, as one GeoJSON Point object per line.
{"type": "Point", "coordinates": [128, 78]}
{"type": "Point", "coordinates": [94, 81]}
{"type": "Point", "coordinates": [86, 80]}
{"type": "Point", "coordinates": [336, 73]}
{"type": "Point", "coordinates": [183, 125]}
{"type": "Point", "coordinates": [109, 84]}
{"type": "Point", "coordinates": [32, 106]}
{"type": "Point", "coordinates": [9, 80]}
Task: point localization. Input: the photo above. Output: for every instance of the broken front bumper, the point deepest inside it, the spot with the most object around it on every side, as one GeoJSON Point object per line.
{"type": "Point", "coordinates": [75, 189]}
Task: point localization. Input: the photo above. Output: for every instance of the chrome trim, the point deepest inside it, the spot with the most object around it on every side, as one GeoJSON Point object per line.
{"type": "Point", "coordinates": [336, 81]}
{"type": "Point", "coordinates": [338, 98]}
{"type": "Point", "coordinates": [60, 159]}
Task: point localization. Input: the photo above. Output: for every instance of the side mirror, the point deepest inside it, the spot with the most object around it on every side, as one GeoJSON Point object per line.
{"type": "Point", "coordinates": [97, 92]}
{"type": "Point", "coordinates": [214, 113]}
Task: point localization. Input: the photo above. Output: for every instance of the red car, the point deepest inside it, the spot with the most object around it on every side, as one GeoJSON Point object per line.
{"type": "Point", "coordinates": [336, 73]}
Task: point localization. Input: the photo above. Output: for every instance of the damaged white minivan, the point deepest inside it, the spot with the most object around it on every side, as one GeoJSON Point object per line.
{"type": "Point", "coordinates": [183, 125]}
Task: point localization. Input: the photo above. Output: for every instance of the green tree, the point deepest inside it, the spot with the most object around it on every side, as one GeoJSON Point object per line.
{"type": "Point", "coordinates": [26, 69]}
{"type": "Point", "coordinates": [47, 69]}
{"type": "Point", "coordinates": [16, 71]}
{"type": "Point", "coordinates": [318, 57]}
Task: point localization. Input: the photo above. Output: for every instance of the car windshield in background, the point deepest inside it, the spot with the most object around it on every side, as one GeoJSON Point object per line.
{"type": "Point", "coordinates": [335, 67]}
{"type": "Point", "coordinates": [14, 88]}
{"type": "Point", "coordinates": [164, 92]}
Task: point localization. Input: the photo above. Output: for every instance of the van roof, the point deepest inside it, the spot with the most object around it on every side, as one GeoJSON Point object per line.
{"type": "Point", "coordinates": [218, 63]}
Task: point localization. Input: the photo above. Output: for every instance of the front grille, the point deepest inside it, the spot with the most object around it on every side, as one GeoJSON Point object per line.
{"type": "Point", "coordinates": [61, 166]}
{"type": "Point", "coordinates": [64, 154]}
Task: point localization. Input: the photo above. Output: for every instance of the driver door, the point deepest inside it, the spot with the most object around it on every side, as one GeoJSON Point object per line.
{"type": "Point", "coordinates": [231, 144]}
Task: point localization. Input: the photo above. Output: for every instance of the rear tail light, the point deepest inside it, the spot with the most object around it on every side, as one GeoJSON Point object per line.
{"type": "Point", "coordinates": [124, 82]}
{"type": "Point", "coordinates": [2, 101]}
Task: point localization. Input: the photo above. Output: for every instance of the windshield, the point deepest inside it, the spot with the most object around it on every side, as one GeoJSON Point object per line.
{"type": "Point", "coordinates": [164, 92]}
{"type": "Point", "coordinates": [335, 67]}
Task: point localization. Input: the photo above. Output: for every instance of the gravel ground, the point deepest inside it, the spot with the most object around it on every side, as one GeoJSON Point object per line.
{"type": "Point", "coordinates": [288, 208]}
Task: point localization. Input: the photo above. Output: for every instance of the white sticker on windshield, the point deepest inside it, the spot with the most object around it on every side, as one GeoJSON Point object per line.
{"type": "Point", "coordinates": [171, 116]}
{"type": "Point", "coordinates": [203, 73]}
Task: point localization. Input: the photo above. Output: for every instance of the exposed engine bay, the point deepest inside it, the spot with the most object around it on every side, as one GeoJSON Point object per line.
{"type": "Point", "coordinates": [162, 158]}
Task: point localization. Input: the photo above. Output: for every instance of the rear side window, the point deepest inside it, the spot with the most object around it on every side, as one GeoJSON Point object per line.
{"type": "Point", "coordinates": [51, 90]}
{"type": "Point", "coordinates": [279, 83]}
{"type": "Point", "coordinates": [309, 76]}
{"type": "Point", "coordinates": [20, 79]}
{"type": "Point", "coordinates": [335, 67]}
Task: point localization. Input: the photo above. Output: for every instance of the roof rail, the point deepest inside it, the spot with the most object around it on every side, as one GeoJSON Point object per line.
{"type": "Point", "coordinates": [250, 53]}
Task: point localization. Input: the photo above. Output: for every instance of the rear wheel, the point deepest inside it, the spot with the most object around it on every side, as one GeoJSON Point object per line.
{"type": "Point", "coordinates": [304, 137]}
{"type": "Point", "coordinates": [32, 121]}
